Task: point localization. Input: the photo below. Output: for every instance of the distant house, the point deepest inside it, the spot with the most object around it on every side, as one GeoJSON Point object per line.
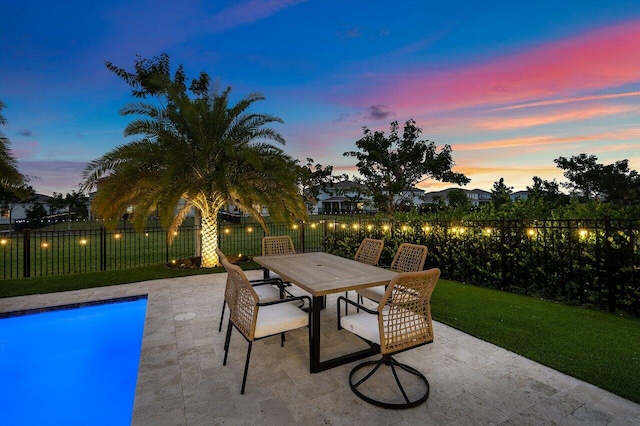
{"type": "Point", "coordinates": [478, 197]}
{"type": "Point", "coordinates": [343, 197]}
{"type": "Point", "coordinates": [348, 197]}
{"type": "Point", "coordinates": [11, 212]}
{"type": "Point", "coordinates": [519, 195]}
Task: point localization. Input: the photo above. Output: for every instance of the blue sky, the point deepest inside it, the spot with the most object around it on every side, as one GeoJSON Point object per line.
{"type": "Point", "coordinates": [509, 85]}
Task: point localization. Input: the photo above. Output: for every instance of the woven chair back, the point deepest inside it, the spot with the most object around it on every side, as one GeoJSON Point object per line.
{"type": "Point", "coordinates": [229, 289]}
{"type": "Point", "coordinates": [369, 251]}
{"type": "Point", "coordinates": [405, 311]}
{"type": "Point", "coordinates": [272, 246]}
{"type": "Point", "coordinates": [409, 258]}
{"type": "Point", "coordinates": [244, 312]}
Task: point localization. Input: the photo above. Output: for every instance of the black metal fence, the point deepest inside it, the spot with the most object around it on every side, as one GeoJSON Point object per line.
{"type": "Point", "coordinates": [35, 253]}
{"type": "Point", "coordinates": [591, 262]}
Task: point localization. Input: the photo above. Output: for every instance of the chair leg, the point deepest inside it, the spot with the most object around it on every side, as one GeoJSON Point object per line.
{"type": "Point", "coordinates": [390, 361]}
{"type": "Point", "coordinates": [246, 368]}
{"type": "Point", "coordinates": [224, 305]}
{"type": "Point", "coordinates": [227, 342]}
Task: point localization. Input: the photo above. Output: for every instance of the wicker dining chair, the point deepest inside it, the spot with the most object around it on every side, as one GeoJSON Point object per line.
{"type": "Point", "coordinates": [401, 322]}
{"type": "Point", "coordinates": [264, 289]}
{"type": "Point", "coordinates": [408, 258]}
{"type": "Point", "coordinates": [276, 245]}
{"type": "Point", "coordinates": [256, 320]}
{"type": "Point", "coordinates": [368, 252]}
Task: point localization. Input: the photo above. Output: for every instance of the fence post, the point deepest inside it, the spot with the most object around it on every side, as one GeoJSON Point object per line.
{"type": "Point", "coordinates": [503, 256]}
{"type": "Point", "coordinates": [166, 247]}
{"type": "Point", "coordinates": [302, 236]}
{"type": "Point", "coordinates": [26, 253]}
{"type": "Point", "coordinates": [103, 248]}
{"type": "Point", "coordinates": [611, 287]}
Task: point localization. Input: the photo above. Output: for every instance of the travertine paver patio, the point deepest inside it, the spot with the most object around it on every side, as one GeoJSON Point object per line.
{"type": "Point", "coordinates": [181, 380]}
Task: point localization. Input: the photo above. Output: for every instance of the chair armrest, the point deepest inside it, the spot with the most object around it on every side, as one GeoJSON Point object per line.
{"type": "Point", "coordinates": [357, 305]}
{"type": "Point", "coordinates": [272, 281]}
{"type": "Point", "coordinates": [288, 299]}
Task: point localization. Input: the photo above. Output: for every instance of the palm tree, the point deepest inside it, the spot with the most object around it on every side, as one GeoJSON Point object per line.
{"type": "Point", "coordinates": [203, 151]}
{"type": "Point", "coordinates": [10, 178]}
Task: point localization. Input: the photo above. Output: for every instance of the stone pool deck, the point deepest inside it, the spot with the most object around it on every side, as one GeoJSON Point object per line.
{"type": "Point", "coordinates": [181, 379]}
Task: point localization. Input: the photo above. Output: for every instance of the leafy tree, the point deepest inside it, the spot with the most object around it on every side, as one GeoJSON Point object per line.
{"type": "Point", "coordinates": [501, 193]}
{"type": "Point", "coordinates": [391, 165]}
{"type": "Point", "coordinates": [74, 203]}
{"type": "Point", "coordinates": [616, 182]}
{"type": "Point", "coordinates": [35, 212]}
{"type": "Point", "coordinates": [195, 146]}
{"type": "Point", "coordinates": [10, 177]}
{"type": "Point", "coordinates": [458, 200]}
{"type": "Point", "coordinates": [9, 199]}
{"type": "Point", "coordinates": [313, 179]}
{"type": "Point", "coordinates": [548, 191]}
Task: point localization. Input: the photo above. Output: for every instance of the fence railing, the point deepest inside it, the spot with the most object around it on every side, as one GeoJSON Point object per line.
{"type": "Point", "coordinates": [592, 262]}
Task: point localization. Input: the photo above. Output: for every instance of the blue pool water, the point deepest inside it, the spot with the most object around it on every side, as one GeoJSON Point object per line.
{"type": "Point", "coordinates": [71, 366]}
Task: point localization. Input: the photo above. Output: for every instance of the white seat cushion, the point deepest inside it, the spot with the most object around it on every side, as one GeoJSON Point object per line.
{"type": "Point", "coordinates": [275, 319]}
{"type": "Point", "coordinates": [373, 293]}
{"type": "Point", "coordinates": [362, 324]}
{"type": "Point", "coordinates": [266, 293]}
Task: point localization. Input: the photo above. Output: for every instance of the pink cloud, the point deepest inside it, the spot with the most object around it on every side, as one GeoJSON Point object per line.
{"type": "Point", "coordinates": [25, 149]}
{"type": "Point", "coordinates": [570, 100]}
{"type": "Point", "coordinates": [554, 117]}
{"type": "Point", "coordinates": [619, 135]}
{"type": "Point", "coordinates": [600, 59]}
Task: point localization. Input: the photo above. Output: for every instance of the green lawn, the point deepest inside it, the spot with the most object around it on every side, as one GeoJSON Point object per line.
{"type": "Point", "coordinates": [597, 347]}
{"type": "Point", "coordinates": [600, 348]}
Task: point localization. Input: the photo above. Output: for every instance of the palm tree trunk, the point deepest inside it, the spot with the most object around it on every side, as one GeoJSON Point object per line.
{"type": "Point", "coordinates": [209, 240]}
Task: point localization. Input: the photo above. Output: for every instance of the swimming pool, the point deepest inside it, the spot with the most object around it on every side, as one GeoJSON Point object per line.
{"type": "Point", "coordinates": [71, 366]}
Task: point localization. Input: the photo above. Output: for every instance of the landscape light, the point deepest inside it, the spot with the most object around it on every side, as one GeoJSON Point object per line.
{"type": "Point", "coordinates": [83, 242]}
{"type": "Point", "coordinates": [117, 236]}
{"type": "Point", "coordinates": [249, 229]}
{"type": "Point", "coordinates": [44, 245]}
{"type": "Point", "coordinates": [531, 232]}
{"type": "Point", "coordinates": [583, 233]}
{"type": "Point", "coordinates": [3, 241]}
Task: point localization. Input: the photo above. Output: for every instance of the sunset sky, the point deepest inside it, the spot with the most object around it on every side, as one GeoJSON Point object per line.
{"type": "Point", "coordinates": [510, 85]}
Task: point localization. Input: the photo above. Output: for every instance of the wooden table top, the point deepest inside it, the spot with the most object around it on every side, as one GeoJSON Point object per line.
{"type": "Point", "coordinates": [322, 273]}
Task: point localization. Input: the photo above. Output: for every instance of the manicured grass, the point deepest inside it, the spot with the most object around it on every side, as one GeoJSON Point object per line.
{"type": "Point", "coordinates": [597, 347]}
{"type": "Point", "coordinates": [52, 284]}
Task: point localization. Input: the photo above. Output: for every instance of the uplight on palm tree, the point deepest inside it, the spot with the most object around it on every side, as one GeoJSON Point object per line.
{"type": "Point", "coordinates": [200, 149]}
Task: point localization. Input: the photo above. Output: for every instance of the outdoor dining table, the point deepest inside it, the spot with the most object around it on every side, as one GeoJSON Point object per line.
{"type": "Point", "coordinates": [321, 274]}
